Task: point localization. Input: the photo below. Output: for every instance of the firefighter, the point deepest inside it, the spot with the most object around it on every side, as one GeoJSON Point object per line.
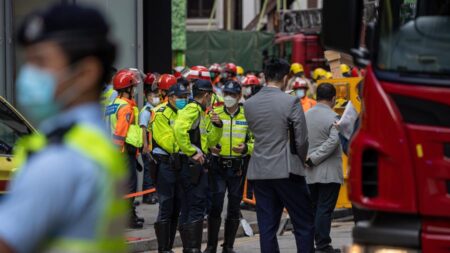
{"type": "Point", "coordinates": [195, 131]}
{"type": "Point", "coordinates": [300, 90]}
{"type": "Point", "coordinates": [297, 70]}
{"type": "Point", "coordinates": [62, 194]}
{"type": "Point", "coordinates": [215, 71]}
{"type": "Point", "coordinates": [227, 170]}
{"type": "Point", "coordinates": [146, 116]}
{"type": "Point", "coordinates": [318, 74]}
{"type": "Point", "coordinates": [229, 73]}
{"type": "Point", "coordinates": [202, 73]}
{"type": "Point", "coordinates": [345, 70]}
{"type": "Point", "coordinates": [126, 133]}
{"type": "Point", "coordinates": [239, 73]}
{"type": "Point", "coordinates": [164, 83]}
{"type": "Point", "coordinates": [250, 86]}
{"type": "Point", "coordinates": [166, 155]}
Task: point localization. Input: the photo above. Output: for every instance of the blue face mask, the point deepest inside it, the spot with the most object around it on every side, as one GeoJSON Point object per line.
{"type": "Point", "coordinates": [36, 93]}
{"type": "Point", "coordinates": [180, 103]}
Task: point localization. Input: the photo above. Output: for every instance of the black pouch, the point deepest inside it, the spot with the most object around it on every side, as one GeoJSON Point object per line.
{"type": "Point", "coordinates": [195, 171]}
{"type": "Point", "coordinates": [152, 167]}
{"type": "Point", "coordinates": [175, 161]}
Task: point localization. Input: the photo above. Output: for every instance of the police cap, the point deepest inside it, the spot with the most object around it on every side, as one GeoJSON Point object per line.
{"type": "Point", "coordinates": [232, 87]}
{"type": "Point", "coordinates": [178, 90]}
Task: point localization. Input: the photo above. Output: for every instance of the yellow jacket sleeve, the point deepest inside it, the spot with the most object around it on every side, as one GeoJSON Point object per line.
{"type": "Point", "coordinates": [214, 133]}
{"type": "Point", "coordinates": [163, 133]}
{"type": "Point", "coordinates": [186, 118]}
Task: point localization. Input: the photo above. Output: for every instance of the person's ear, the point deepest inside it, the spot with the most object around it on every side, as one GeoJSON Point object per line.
{"type": "Point", "coordinates": [88, 73]}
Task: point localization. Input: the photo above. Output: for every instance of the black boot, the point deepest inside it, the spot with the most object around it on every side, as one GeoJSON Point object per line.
{"type": "Point", "coordinates": [191, 235]}
{"type": "Point", "coordinates": [162, 231]}
{"type": "Point", "coordinates": [173, 232]}
{"type": "Point", "coordinates": [213, 234]}
{"type": "Point", "coordinates": [231, 227]}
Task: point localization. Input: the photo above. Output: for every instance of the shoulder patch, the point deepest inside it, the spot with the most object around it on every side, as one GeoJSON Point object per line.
{"type": "Point", "coordinates": [161, 109]}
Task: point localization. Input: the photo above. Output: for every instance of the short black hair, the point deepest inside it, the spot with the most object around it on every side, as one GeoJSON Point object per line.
{"type": "Point", "coordinates": [199, 94]}
{"type": "Point", "coordinates": [326, 91]}
{"type": "Point", "coordinates": [276, 69]}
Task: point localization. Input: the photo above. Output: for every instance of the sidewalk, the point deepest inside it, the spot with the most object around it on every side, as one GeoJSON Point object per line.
{"type": "Point", "coordinates": [140, 240]}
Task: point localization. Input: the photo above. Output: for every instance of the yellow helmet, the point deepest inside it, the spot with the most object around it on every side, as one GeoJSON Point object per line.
{"type": "Point", "coordinates": [240, 70]}
{"type": "Point", "coordinates": [328, 75]}
{"type": "Point", "coordinates": [319, 73]}
{"type": "Point", "coordinates": [345, 68]}
{"type": "Point", "coordinates": [296, 68]}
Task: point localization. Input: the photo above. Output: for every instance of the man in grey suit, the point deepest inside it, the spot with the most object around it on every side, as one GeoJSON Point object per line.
{"type": "Point", "coordinates": [276, 167]}
{"type": "Point", "coordinates": [324, 175]}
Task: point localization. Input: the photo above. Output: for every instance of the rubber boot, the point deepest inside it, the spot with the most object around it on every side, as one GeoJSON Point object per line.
{"type": "Point", "coordinates": [162, 231]}
{"type": "Point", "coordinates": [191, 235]}
{"type": "Point", "coordinates": [213, 234]}
{"type": "Point", "coordinates": [231, 227]}
{"type": "Point", "coordinates": [173, 232]}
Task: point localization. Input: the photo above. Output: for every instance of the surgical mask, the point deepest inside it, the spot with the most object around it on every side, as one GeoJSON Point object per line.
{"type": "Point", "coordinates": [247, 91]}
{"type": "Point", "coordinates": [155, 101]}
{"type": "Point", "coordinates": [229, 101]}
{"type": "Point", "coordinates": [180, 103]}
{"type": "Point", "coordinates": [36, 94]}
{"type": "Point", "coordinates": [301, 93]}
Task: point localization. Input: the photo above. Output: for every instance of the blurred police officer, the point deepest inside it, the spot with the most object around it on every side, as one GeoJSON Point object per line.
{"type": "Point", "coordinates": [66, 196]}
{"type": "Point", "coordinates": [195, 131]}
{"type": "Point", "coordinates": [168, 166]}
{"type": "Point", "coordinates": [227, 170]}
{"type": "Point", "coordinates": [146, 117]}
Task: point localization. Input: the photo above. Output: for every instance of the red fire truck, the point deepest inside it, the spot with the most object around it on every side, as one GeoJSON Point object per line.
{"type": "Point", "coordinates": [400, 156]}
{"type": "Point", "coordinates": [298, 39]}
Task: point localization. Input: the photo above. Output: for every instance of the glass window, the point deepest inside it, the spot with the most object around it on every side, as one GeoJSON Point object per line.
{"type": "Point", "coordinates": [12, 127]}
{"type": "Point", "coordinates": [199, 8]}
{"type": "Point", "coordinates": [415, 37]}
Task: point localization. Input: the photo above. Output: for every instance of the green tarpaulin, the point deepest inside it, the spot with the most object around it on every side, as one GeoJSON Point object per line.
{"type": "Point", "coordinates": [245, 48]}
{"type": "Point", "coordinates": [178, 25]}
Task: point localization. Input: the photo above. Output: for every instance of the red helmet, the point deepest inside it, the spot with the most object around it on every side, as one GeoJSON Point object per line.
{"type": "Point", "coordinates": [199, 72]}
{"type": "Point", "coordinates": [250, 80]}
{"type": "Point", "coordinates": [231, 68]}
{"type": "Point", "coordinates": [179, 70]}
{"type": "Point", "coordinates": [215, 68]}
{"type": "Point", "coordinates": [299, 83]}
{"type": "Point", "coordinates": [125, 78]}
{"type": "Point", "coordinates": [355, 72]}
{"type": "Point", "coordinates": [149, 79]}
{"type": "Point", "coordinates": [166, 81]}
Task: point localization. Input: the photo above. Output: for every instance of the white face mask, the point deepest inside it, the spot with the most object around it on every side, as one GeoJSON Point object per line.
{"type": "Point", "coordinates": [229, 101]}
{"type": "Point", "coordinates": [247, 91]}
{"type": "Point", "coordinates": [155, 101]}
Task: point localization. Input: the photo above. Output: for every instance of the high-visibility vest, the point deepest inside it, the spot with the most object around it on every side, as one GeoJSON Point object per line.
{"type": "Point", "coordinates": [134, 134]}
{"type": "Point", "coordinates": [91, 143]}
{"type": "Point", "coordinates": [193, 126]}
{"type": "Point", "coordinates": [235, 132]}
{"type": "Point", "coordinates": [307, 103]}
{"type": "Point", "coordinates": [106, 96]}
{"type": "Point", "coordinates": [162, 129]}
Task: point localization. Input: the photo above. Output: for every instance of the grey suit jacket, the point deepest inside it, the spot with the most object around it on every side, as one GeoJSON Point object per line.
{"type": "Point", "coordinates": [324, 148]}
{"type": "Point", "coordinates": [268, 115]}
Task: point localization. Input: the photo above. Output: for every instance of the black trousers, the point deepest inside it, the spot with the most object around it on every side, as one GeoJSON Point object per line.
{"type": "Point", "coordinates": [324, 198]}
{"type": "Point", "coordinates": [271, 197]}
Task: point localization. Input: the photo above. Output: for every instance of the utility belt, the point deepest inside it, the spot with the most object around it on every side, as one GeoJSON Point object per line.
{"type": "Point", "coordinates": [235, 164]}
{"type": "Point", "coordinates": [174, 160]}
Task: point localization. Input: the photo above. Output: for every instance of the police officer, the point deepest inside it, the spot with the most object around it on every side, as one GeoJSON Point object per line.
{"type": "Point", "coordinates": [126, 133]}
{"type": "Point", "coordinates": [168, 166]}
{"type": "Point", "coordinates": [108, 93]}
{"type": "Point", "coordinates": [195, 131]}
{"type": "Point", "coordinates": [227, 170]}
{"type": "Point", "coordinates": [62, 197]}
{"type": "Point", "coordinates": [146, 116]}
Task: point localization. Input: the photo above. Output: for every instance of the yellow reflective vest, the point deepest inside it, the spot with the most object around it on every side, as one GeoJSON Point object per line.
{"type": "Point", "coordinates": [235, 132]}
{"type": "Point", "coordinates": [193, 129]}
{"type": "Point", "coordinates": [162, 129]}
{"type": "Point", "coordinates": [91, 143]}
{"type": "Point", "coordinates": [134, 134]}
